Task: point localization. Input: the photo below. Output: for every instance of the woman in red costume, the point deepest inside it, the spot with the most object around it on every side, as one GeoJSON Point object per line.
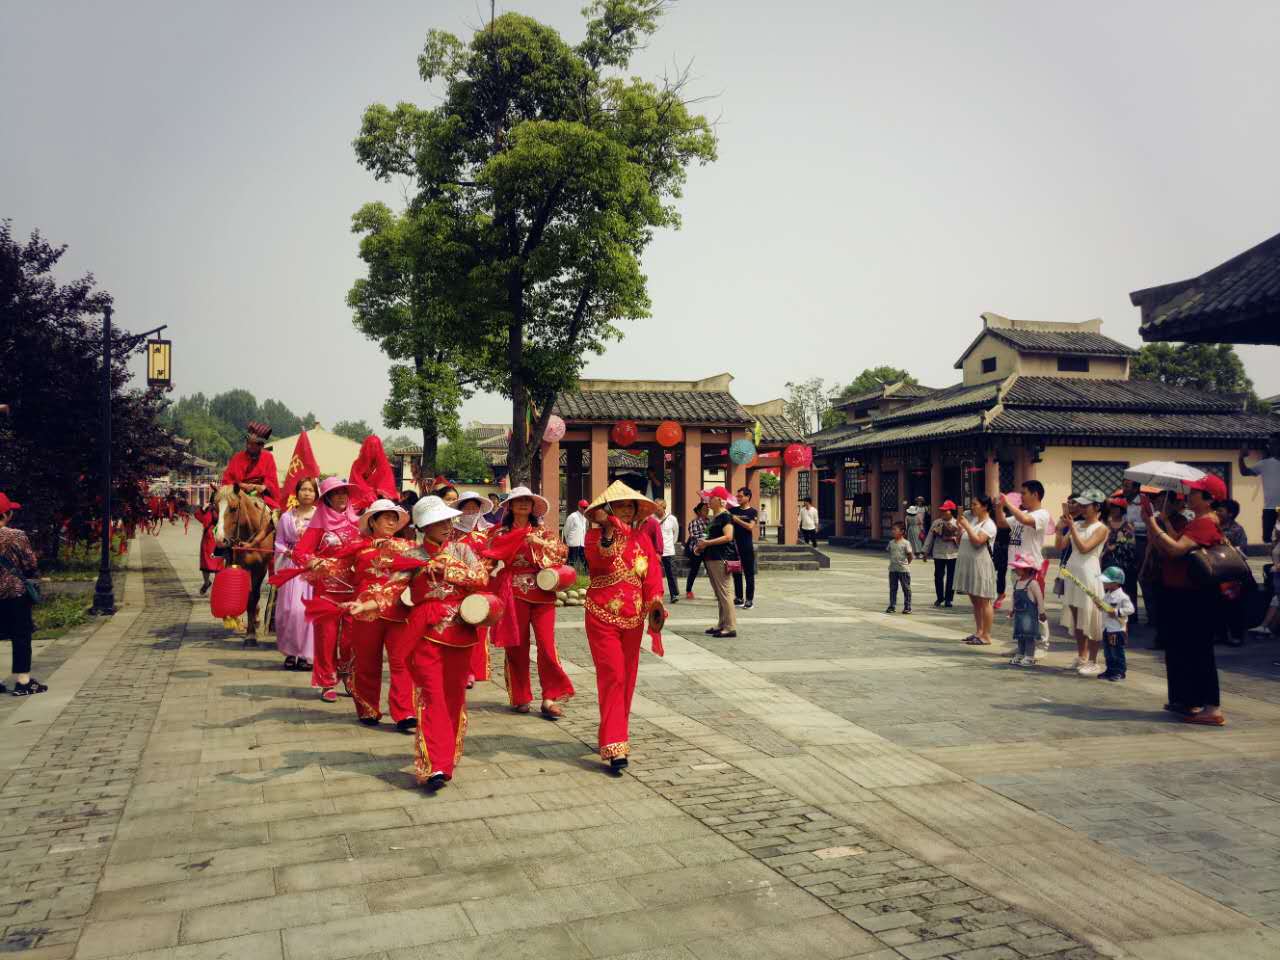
{"type": "Point", "coordinates": [625, 595]}
{"type": "Point", "coordinates": [209, 563]}
{"type": "Point", "coordinates": [371, 476]}
{"type": "Point", "coordinates": [524, 546]}
{"type": "Point", "coordinates": [377, 615]}
{"type": "Point", "coordinates": [442, 642]}
{"type": "Point", "coordinates": [471, 528]}
{"type": "Point", "coordinates": [327, 550]}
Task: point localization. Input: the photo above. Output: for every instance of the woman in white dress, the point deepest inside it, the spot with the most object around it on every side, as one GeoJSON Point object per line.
{"type": "Point", "coordinates": [1081, 610]}
{"type": "Point", "coordinates": [975, 571]}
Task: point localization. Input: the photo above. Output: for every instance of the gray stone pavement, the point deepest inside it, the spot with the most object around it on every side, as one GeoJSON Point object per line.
{"type": "Point", "coordinates": [834, 783]}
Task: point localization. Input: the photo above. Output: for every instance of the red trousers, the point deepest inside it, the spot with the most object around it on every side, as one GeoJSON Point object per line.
{"type": "Point", "coordinates": [440, 703]}
{"type": "Point", "coordinates": [368, 637]}
{"type": "Point", "coordinates": [555, 683]}
{"type": "Point", "coordinates": [480, 655]}
{"type": "Point", "coordinates": [334, 656]}
{"type": "Point", "coordinates": [616, 652]}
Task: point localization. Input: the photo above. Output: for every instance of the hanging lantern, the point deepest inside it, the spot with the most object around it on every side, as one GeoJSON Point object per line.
{"type": "Point", "coordinates": [554, 431]}
{"type": "Point", "coordinates": [670, 433]}
{"type": "Point", "coordinates": [742, 451]}
{"type": "Point", "coordinates": [798, 455]}
{"type": "Point", "coordinates": [624, 433]}
{"type": "Point", "coordinates": [159, 355]}
{"type": "Point", "coordinates": [230, 594]}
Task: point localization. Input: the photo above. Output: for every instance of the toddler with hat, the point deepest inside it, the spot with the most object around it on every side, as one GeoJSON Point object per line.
{"type": "Point", "coordinates": [1028, 610]}
{"type": "Point", "coordinates": [1115, 623]}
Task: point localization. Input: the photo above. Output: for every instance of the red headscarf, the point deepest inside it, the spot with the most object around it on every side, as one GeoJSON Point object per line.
{"type": "Point", "coordinates": [371, 475]}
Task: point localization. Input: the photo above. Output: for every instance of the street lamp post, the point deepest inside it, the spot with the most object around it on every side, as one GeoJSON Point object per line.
{"type": "Point", "coordinates": [104, 592]}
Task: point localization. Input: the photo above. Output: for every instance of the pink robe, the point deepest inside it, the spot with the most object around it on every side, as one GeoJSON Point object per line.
{"type": "Point", "coordinates": [295, 637]}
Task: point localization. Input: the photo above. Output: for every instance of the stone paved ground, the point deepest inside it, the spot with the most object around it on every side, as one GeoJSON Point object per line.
{"type": "Point", "coordinates": [834, 783]}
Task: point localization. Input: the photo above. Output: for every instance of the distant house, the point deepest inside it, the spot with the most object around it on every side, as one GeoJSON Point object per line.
{"type": "Point", "coordinates": [1045, 401]}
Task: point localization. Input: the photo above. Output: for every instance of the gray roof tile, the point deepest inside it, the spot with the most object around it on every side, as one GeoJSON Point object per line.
{"type": "Point", "coordinates": [683, 406]}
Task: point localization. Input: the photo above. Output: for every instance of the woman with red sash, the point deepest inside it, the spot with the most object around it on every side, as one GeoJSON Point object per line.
{"type": "Point", "coordinates": [524, 546]}
{"type": "Point", "coordinates": [442, 642]}
{"type": "Point", "coordinates": [625, 595]}
{"type": "Point", "coordinates": [471, 528]}
{"type": "Point", "coordinates": [377, 616]}
{"type": "Point", "coordinates": [327, 549]}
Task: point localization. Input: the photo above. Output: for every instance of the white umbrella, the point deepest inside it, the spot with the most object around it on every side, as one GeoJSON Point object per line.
{"type": "Point", "coordinates": [1163, 475]}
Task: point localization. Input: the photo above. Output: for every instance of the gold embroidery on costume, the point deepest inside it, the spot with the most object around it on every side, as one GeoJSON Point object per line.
{"type": "Point", "coordinates": [612, 750]}
{"type": "Point", "coordinates": [642, 564]}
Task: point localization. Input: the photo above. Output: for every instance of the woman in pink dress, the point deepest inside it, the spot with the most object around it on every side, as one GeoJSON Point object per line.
{"type": "Point", "coordinates": [295, 637]}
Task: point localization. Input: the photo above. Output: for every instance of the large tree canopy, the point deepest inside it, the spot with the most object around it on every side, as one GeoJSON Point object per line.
{"type": "Point", "coordinates": [1210, 367]}
{"type": "Point", "coordinates": [551, 172]}
{"type": "Point", "coordinates": [51, 355]}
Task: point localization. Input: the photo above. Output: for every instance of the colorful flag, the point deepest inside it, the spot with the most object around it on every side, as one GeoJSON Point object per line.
{"type": "Point", "coordinates": [301, 465]}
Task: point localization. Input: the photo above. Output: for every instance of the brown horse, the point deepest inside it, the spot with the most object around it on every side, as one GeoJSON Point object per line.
{"type": "Point", "coordinates": [246, 527]}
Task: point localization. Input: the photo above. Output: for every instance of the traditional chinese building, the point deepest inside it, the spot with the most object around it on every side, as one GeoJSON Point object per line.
{"type": "Point", "coordinates": [1045, 401]}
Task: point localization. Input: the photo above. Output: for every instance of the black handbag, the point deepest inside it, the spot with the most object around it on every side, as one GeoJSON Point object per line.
{"type": "Point", "coordinates": [1216, 565]}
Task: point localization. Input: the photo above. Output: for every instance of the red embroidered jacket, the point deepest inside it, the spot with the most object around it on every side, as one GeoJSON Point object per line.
{"type": "Point", "coordinates": [336, 574]}
{"type": "Point", "coordinates": [438, 589]}
{"type": "Point", "coordinates": [378, 579]}
{"type": "Point", "coordinates": [626, 577]}
{"type": "Point", "coordinates": [525, 551]}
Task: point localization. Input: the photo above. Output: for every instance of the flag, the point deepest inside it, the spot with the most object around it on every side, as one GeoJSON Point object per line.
{"type": "Point", "coordinates": [301, 465]}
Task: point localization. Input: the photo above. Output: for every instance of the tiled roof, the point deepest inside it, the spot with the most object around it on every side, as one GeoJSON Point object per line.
{"type": "Point", "coordinates": [948, 401]}
{"type": "Point", "coordinates": [832, 435]}
{"type": "Point", "coordinates": [683, 406]}
{"type": "Point", "coordinates": [1080, 393]}
{"type": "Point", "coordinates": [878, 436]}
{"type": "Point", "coordinates": [1081, 342]}
{"type": "Point", "coordinates": [1119, 426]}
{"type": "Point", "coordinates": [1237, 301]}
{"type": "Point", "coordinates": [899, 391]}
{"type": "Point", "coordinates": [775, 430]}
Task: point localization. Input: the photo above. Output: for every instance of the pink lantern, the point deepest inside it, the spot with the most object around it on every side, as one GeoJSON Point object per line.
{"type": "Point", "coordinates": [554, 431]}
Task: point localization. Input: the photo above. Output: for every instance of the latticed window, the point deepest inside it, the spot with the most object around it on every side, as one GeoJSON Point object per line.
{"type": "Point", "coordinates": [1104, 475]}
{"type": "Point", "coordinates": [802, 485]}
{"type": "Point", "coordinates": [1006, 475]}
{"type": "Point", "coordinates": [855, 481]}
{"type": "Point", "coordinates": [1219, 469]}
{"type": "Point", "coordinates": [889, 490]}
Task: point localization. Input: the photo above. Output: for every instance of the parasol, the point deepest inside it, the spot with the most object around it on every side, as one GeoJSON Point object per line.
{"type": "Point", "coordinates": [1163, 475]}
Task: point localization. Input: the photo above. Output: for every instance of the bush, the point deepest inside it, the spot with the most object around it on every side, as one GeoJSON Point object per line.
{"type": "Point", "coordinates": [59, 613]}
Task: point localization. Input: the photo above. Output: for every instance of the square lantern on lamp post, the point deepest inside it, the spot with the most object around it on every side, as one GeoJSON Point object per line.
{"type": "Point", "coordinates": [159, 371]}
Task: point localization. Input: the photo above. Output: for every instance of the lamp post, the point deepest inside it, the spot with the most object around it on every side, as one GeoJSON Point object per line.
{"type": "Point", "coordinates": [104, 594]}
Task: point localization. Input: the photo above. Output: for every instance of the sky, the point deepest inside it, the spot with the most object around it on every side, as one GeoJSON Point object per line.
{"type": "Point", "coordinates": [886, 173]}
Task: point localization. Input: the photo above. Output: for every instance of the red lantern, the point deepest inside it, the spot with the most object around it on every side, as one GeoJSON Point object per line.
{"type": "Point", "coordinates": [798, 455]}
{"type": "Point", "coordinates": [670, 433]}
{"type": "Point", "coordinates": [230, 594]}
{"type": "Point", "coordinates": [624, 433]}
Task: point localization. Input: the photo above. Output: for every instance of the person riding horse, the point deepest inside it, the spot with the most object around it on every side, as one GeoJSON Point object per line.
{"type": "Point", "coordinates": [245, 532]}
{"type": "Point", "coordinates": [254, 468]}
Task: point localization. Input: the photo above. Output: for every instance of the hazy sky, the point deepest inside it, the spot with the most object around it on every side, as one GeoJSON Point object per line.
{"type": "Point", "coordinates": [887, 172]}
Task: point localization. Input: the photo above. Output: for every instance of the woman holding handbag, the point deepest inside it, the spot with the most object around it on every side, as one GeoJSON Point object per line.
{"type": "Point", "coordinates": [717, 552]}
{"type": "Point", "coordinates": [18, 594]}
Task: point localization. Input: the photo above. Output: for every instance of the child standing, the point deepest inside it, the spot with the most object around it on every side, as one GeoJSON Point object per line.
{"type": "Point", "coordinates": [1027, 612]}
{"type": "Point", "coordinates": [900, 556]}
{"type": "Point", "coordinates": [1115, 623]}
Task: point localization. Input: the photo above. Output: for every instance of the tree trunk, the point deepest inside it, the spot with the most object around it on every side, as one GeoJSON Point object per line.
{"type": "Point", "coordinates": [518, 457]}
{"type": "Point", "coordinates": [430, 429]}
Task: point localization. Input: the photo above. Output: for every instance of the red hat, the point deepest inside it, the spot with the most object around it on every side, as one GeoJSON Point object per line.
{"type": "Point", "coordinates": [947, 505]}
{"type": "Point", "coordinates": [260, 430]}
{"type": "Point", "coordinates": [6, 504]}
{"type": "Point", "coordinates": [583, 504]}
{"type": "Point", "coordinates": [1209, 484]}
{"type": "Point", "coordinates": [720, 493]}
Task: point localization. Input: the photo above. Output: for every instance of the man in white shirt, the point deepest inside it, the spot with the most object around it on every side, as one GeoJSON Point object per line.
{"type": "Point", "coordinates": [809, 522]}
{"type": "Point", "coordinates": [575, 535]}
{"type": "Point", "coordinates": [1268, 468]}
{"type": "Point", "coordinates": [670, 534]}
{"type": "Point", "coordinates": [1028, 525]}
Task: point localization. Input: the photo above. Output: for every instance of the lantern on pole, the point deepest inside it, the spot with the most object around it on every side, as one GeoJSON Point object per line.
{"type": "Point", "coordinates": [159, 369]}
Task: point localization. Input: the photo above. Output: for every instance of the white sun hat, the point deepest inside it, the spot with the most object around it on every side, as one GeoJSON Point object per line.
{"type": "Point", "coordinates": [540, 505]}
{"type": "Point", "coordinates": [479, 498]}
{"type": "Point", "coordinates": [431, 510]}
{"type": "Point", "coordinates": [383, 506]}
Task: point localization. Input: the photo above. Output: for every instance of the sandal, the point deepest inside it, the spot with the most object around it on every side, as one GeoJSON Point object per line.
{"type": "Point", "coordinates": [290, 663]}
{"type": "Point", "coordinates": [552, 712]}
{"type": "Point", "coordinates": [1206, 719]}
{"type": "Point", "coordinates": [976, 641]}
{"type": "Point", "coordinates": [27, 689]}
{"type": "Point", "coordinates": [329, 695]}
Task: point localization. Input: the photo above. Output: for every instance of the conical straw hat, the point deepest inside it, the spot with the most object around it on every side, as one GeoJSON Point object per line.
{"type": "Point", "coordinates": [620, 491]}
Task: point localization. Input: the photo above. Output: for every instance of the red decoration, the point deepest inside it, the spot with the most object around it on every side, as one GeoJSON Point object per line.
{"type": "Point", "coordinates": [798, 455]}
{"type": "Point", "coordinates": [670, 433]}
{"type": "Point", "coordinates": [624, 433]}
{"type": "Point", "coordinates": [230, 594]}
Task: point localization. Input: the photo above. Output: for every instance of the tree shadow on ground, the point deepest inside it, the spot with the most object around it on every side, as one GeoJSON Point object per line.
{"type": "Point", "coordinates": [289, 715]}
{"type": "Point", "coordinates": [266, 692]}
{"type": "Point", "coordinates": [250, 663]}
{"type": "Point", "coordinates": [1091, 712]}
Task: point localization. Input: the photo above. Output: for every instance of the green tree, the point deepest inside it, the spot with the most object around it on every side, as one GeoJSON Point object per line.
{"type": "Point", "coordinates": [284, 422]}
{"type": "Point", "coordinates": [235, 408]}
{"type": "Point", "coordinates": [556, 171]}
{"type": "Point", "coordinates": [355, 430]}
{"type": "Point", "coordinates": [1208, 367]}
{"type": "Point", "coordinates": [807, 403]}
{"type": "Point", "coordinates": [414, 303]}
{"type": "Point", "coordinates": [769, 483]}
{"type": "Point", "coordinates": [874, 377]}
{"type": "Point", "coordinates": [397, 442]}
{"type": "Point", "coordinates": [461, 460]}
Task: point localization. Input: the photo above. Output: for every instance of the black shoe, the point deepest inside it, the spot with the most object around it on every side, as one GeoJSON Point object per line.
{"type": "Point", "coordinates": [748, 605]}
{"type": "Point", "coordinates": [618, 764]}
{"type": "Point", "coordinates": [205, 589]}
{"type": "Point", "coordinates": [369, 721]}
{"type": "Point", "coordinates": [712, 632]}
{"type": "Point", "coordinates": [737, 602]}
{"type": "Point", "coordinates": [947, 604]}
{"type": "Point", "coordinates": [890, 610]}
{"type": "Point", "coordinates": [250, 641]}
{"type": "Point", "coordinates": [906, 610]}
{"type": "Point", "coordinates": [1235, 641]}
{"type": "Point", "coordinates": [725, 634]}
{"type": "Point", "coordinates": [290, 663]}
{"type": "Point", "coordinates": [937, 603]}
{"type": "Point", "coordinates": [435, 782]}
{"type": "Point", "coordinates": [407, 725]}
{"type": "Point", "coordinates": [674, 600]}
{"type": "Point", "coordinates": [27, 689]}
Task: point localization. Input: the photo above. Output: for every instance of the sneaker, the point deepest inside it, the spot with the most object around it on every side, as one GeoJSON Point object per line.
{"type": "Point", "coordinates": [674, 599]}
{"type": "Point", "coordinates": [1030, 661]}
{"type": "Point", "coordinates": [690, 596]}
{"type": "Point", "coordinates": [937, 603]}
{"type": "Point", "coordinates": [947, 604]}
{"type": "Point", "coordinates": [1088, 669]}
{"type": "Point", "coordinates": [1113, 677]}
{"type": "Point", "coordinates": [32, 686]}
{"type": "Point", "coordinates": [1077, 663]}
{"type": "Point", "coordinates": [748, 605]}
{"type": "Point", "coordinates": [906, 611]}
{"type": "Point", "coordinates": [737, 602]}
{"type": "Point", "coordinates": [890, 610]}
{"type": "Point", "coordinates": [1016, 660]}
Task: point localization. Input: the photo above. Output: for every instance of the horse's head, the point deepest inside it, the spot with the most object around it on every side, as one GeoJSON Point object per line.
{"type": "Point", "coordinates": [227, 500]}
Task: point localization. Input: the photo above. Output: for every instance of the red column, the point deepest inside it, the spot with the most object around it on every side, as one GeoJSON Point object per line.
{"type": "Point", "coordinates": [992, 485]}
{"type": "Point", "coordinates": [790, 505]}
{"type": "Point", "coordinates": [692, 473]}
{"type": "Point", "coordinates": [550, 486]}
{"type": "Point", "coordinates": [599, 461]}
